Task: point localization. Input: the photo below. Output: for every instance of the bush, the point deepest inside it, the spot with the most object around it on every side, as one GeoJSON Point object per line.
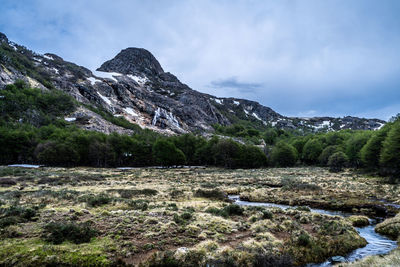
{"type": "Point", "coordinates": [139, 204]}
{"type": "Point", "coordinates": [231, 209]}
{"type": "Point", "coordinates": [16, 214]}
{"type": "Point", "coordinates": [212, 194]}
{"type": "Point", "coordinates": [266, 214]}
{"type": "Point", "coordinates": [371, 151]}
{"type": "Point", "coordinates": [311, 151]}
{"type": "Point", "coordinates": [96, 200]}
{"type": "Point", "coordinates": [337, 161]}
{"type": "Point", "coordinates": [283, 155]}
{"type": "Point", "coordinates": [354, 146]}
{"type": "Point", "coordinates": [58, 232]}
{"type": "Point", "coordinates": [166, 154]}
{"type": "Point", "coordinates": [390, 158]}
{"type": "Point", "coordinates": [326, 153]}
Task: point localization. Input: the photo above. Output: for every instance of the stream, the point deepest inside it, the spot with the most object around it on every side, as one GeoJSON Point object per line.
{"type": "Point", "coordinates": [377, 244]}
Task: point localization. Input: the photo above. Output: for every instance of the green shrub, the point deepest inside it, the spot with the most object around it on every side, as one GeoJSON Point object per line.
{"type": "Point", "coordinates": [96, 200]}
{"type": "Point", "coordinates": [371, 151]}
{"type": "Point", "coordinates": [304, 240]}
{"type": "Point", "coordinates": [139, 204]}
{"type": "Point", "coordinates": [231, 209]}
{"type": "Point", "coordinates": [166, 154]}
{"type": "Point", "coordinates": [212, 194]}
{"type": "Point", "coordinates": [337, 161]}
{"type": "Point", "coordinates": [58, 232]}
{"type": "Point", "coordinates": [311, 151]}
{"type": "Point", "coordinates": [283, 155]}
{"type": "Point", "coordinates": [266, 214]}
{"type": "Point", "coordinates": [390, 157]}
{"type": "Point", "coordinates": [326, 153]}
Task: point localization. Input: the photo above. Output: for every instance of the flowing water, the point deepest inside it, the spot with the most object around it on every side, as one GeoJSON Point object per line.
{"type": "Point", "coordinates": [377, 244]}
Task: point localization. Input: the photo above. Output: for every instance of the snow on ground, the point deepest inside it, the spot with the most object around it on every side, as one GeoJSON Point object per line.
{"type": "Point", "coordinates": [70, 119]}
{"type": "Point", "coordinates": [273, 123]}
{"type": "Point", "coordinates": [48, 57]}
{"type": "Point", "coordinates": [24, 166]}
{"type": "Point", "coordinates": [130, 111]}
{"type": "Point", "coordinates": [13, 46]}
{"type": "Point", "coordinates": [380, 126]}
{"type": "Point", "coordinates": [138, 79]}
{"type": "Point", "coordinates": [55, 70]}
{"type": "Point", "coordinates": [236, 102]}
{"type": "Point", "coordinates": [107, 75]}
{"type": "Point", "coordinates": [93, 80]}
{"type": "Point", "coordinates": [105, 99]}
{"type": "Point", "coordinates": [38, 59]}
{"type": "Point", "coordinates": [245, 111]}
{"type": "Point", "coordinates": [256, 116]}
{"type": "Point", "coordinates": [324, 124]}
{"type": "Point", "coordinates": [219, 101]}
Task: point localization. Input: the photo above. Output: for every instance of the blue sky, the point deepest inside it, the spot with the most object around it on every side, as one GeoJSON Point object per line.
{"type": "Point", "coordinates": [301, 58]}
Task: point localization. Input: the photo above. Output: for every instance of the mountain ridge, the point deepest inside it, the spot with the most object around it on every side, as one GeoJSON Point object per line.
{"type": "Point", "coordinates": [133, 85]}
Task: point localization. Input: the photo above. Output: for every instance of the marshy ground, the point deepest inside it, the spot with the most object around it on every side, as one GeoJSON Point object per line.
{"type": "Point", "coordinates": [92, 216]}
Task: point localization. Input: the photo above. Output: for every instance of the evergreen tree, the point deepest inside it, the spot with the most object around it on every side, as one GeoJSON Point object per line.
{"type": "Point", "coordinates": [311, 151]}
{"type": "Point", "coordinates": [166, 154]}
{"type": "Point", "coordinates": [283, 155]}
{"type": "Point", "coordinates": [390, 156]}
{"type": "Point", "coordinates": [371, 151]}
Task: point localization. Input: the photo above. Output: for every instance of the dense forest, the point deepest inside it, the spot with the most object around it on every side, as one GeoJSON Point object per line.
{"type": "Point", "coordinates": [33, 130]}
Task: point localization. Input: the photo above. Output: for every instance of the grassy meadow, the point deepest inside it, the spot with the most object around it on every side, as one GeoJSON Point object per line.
{"type": "Point", "coordinates": [182, 217]}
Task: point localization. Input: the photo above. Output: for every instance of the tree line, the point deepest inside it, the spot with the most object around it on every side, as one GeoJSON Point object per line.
{"type": "Point", "coordinates": [32, 130]}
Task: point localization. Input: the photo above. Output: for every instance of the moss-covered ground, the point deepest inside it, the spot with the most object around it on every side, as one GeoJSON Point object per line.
{"type": "Point", "coordinates": [178, 217]}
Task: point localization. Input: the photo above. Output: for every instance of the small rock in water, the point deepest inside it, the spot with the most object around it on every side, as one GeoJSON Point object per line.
{"type": "Point", "coordinates": [337, 259]}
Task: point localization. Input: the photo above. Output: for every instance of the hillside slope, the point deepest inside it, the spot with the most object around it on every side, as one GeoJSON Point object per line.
{"type": "Point", "coordinates": [133, 85]}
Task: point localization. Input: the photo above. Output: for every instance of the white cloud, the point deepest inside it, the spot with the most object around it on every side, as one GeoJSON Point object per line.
{"type": "Point", "coordinates": [307, 55]}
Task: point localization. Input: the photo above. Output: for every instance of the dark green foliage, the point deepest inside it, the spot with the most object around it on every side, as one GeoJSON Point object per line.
{"type": "Point", "coordinates": [139, 204]}
{"type": "Point", "coordinates": [166, 154]}
{"type": "Point", "coordinates": [229, 210]}
{"type": "Point", "coordinates": [22, 62]}
{"type": "Point", "coordinates": [183, 218]}
{"type": "Point", "coordinates": [56, 154]}
{"type": "Point", "coordinates": [252, 157]}
{"type": "Point", "coordinates": [311, 151]}
{"type": "Point", "coordinates": [188, 144]}
{"type": "Point", "coordinates": [58, 232]}
{"type": "Point", "coordinates": [337, 161]}
{"type": "Point", "coordinates": [390, 156]}
{"type": "Point", "coordinates": [266, 214]}
{"type": "Point", "coordinates": [371, 151]}
{"type": "Point", "coordinates": [304, 240]}
{"type": "Point", "coordinates": [326, 153]}
{"type": "Point", "coordinates": [283, 155]}
{"type": "Point", "coordinates": [96, 200]}
{"type": "Point", "coordinates": [32, 105]}
{"type": "Point", "coordinates": [354, 146]}
{"type": "Point", "coordinates": [227, 153]}
{"type": "Point", "coordinates": [270, 136]}
{"type": "Point", "coordinates": [16, 214]}
{"type": "Point", "coordinates": [212, 194]}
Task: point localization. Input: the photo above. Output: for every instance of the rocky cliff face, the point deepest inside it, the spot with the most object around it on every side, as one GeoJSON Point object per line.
{"type": "Point", "coordinates": [133, 85]}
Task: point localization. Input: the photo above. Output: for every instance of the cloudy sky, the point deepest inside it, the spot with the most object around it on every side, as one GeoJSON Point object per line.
{"type": "Point", "coordinates": [301, 58]}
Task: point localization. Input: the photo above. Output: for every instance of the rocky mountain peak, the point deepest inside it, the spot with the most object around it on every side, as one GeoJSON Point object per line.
{"type": "Point", "coordinates": [133, 60]}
